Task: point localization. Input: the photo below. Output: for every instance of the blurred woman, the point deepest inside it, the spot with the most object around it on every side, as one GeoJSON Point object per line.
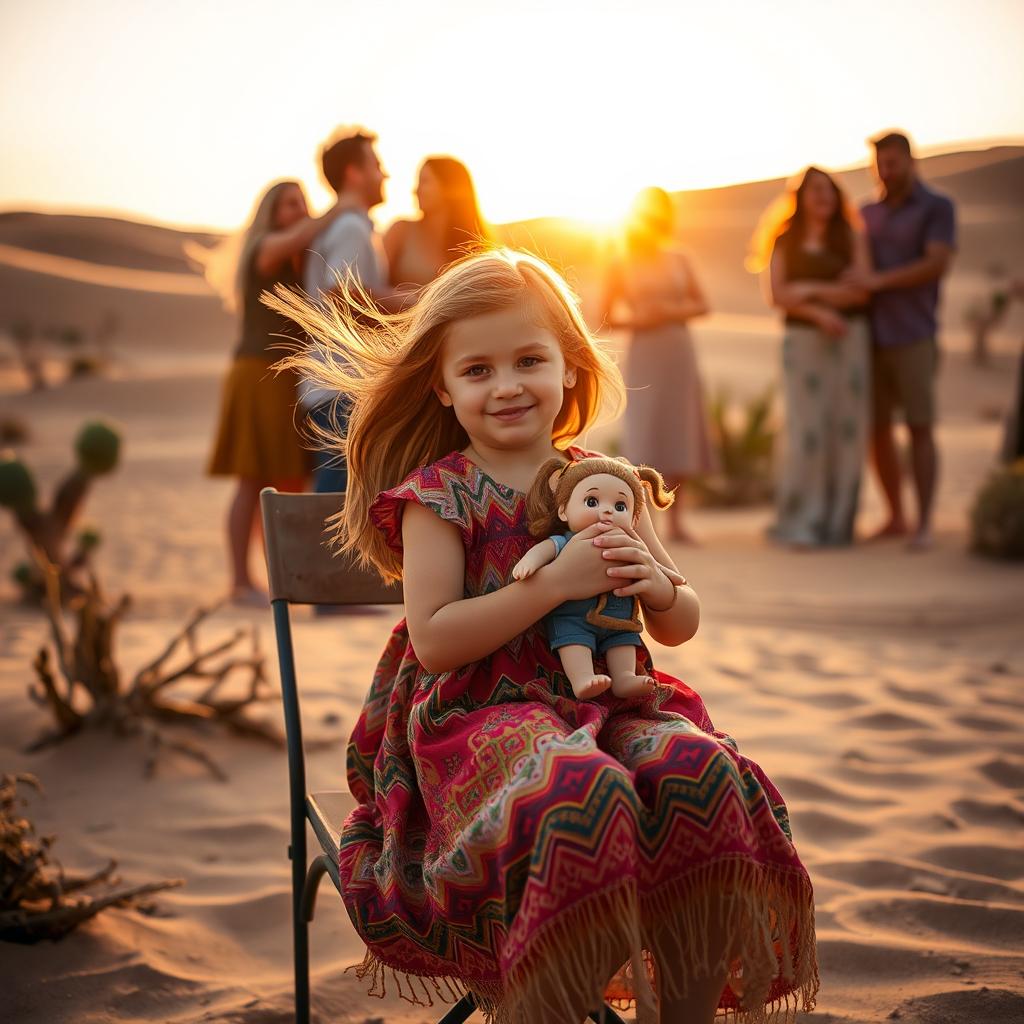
{"type": "Point", "coordinates": [808, 240]}
{"type": "Point", "coordinates": [665, 425]}
{"type": "Point", "coordinates": [449, 226]}
{"type": "Point", "coordinates": [257, 440]}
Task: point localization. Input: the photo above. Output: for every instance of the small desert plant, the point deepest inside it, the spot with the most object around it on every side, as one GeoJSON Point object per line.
{"type": "Point", "coordinates": [997, 518]}
{"type": "Point", "coordinates": [38, 900]}
{"type": "Point", "coordinates": [83, 685]}
{"type": "Point", "coordinates": [744, 437]}
{"type": "Point", "coordinates": [97, 450]}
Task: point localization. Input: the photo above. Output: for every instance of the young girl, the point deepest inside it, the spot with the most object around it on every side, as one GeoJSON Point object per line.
{"type": "Point", "coordinates": [508, 839]}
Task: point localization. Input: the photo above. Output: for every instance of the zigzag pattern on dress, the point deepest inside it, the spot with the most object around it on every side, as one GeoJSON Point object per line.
{"type": "Point", "coordinates": [508, 838]}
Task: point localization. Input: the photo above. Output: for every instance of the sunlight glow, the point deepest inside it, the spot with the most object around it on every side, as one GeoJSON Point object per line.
{"type": "Point", "coordinates": [185, 112]}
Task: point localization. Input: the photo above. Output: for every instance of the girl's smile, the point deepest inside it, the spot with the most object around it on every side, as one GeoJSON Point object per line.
{"type": "Point", "coordinates": [504, 375]}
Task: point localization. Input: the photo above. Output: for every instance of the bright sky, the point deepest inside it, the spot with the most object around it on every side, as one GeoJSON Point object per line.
{"type": "Point", "coordinates": [183, 111]}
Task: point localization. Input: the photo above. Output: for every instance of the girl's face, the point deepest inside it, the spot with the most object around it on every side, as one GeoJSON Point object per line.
{"type": "Point", "coordinates": [290, 208]}
{"type": "Point", "coordinates": [819, 197]}
{"type": "Point", "coordinates": [505, 378]}
{"type": "Point", "coordinates": [429, 196]}
{"type": "Point", "coordinates": [600, 498]}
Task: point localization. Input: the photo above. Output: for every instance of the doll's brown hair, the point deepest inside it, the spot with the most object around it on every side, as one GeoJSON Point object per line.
{"type": "Point", "coordinates": [556, 480]}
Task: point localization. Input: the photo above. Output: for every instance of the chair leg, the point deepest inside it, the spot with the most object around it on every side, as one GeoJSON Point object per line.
{"type": "Point", "coordinates": [317, 870]}
{"type": "Point", "coordinates": [460, 1012]}
{"type": "Point", "coordinates": [300, 942]}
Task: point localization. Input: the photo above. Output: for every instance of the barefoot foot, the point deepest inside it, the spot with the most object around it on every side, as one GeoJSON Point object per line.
{"type": "Point", "coordinates": [632, 685]}
{"type": "Point", "coordinates": [586, 689]}
{"type": "Point", "coordinates": [893, 528]}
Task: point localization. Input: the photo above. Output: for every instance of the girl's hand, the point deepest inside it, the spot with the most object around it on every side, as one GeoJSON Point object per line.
{"type": "Point", "coordinates": [637, 571]}
{"type": "Point", "coordinates": [580, 571]}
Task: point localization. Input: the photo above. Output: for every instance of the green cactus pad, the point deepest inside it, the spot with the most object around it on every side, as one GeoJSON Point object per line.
{"type": "Point", "coordinates": [17, 486]}
{"type": "Point", "coordinates": [97, 446]}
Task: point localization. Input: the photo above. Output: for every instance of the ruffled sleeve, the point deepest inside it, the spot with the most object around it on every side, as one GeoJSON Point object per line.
{"type": "Point", "coordinates": [438, 487]}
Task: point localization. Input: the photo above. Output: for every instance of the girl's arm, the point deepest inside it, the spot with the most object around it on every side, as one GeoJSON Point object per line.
{"type": "Point", "coordinates": [279, 246]}
{"type": "Point", "coordinates": [671, 613]}
{"type": "Point", "coordinates": [448, 629]}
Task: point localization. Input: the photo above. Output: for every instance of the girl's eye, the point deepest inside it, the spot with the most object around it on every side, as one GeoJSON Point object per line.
{"type": "Point", "coordinates": [476, 371]}
{"type": "Point", "coordinates": [620, 506]}
{"type": "Point", "coordinates": [529, 361]}
{"type": "Point", "coordinates": [590, 501]}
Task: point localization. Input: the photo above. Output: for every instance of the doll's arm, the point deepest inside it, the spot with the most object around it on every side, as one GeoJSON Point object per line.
{"type": "Point", "coordinates": [536, 558]}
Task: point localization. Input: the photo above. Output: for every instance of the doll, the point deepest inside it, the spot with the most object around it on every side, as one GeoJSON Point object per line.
{"type": "Point", "coordinates": [579, 494]}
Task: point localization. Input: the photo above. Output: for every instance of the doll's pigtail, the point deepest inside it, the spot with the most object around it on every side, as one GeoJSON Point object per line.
{"type": "Point", "coordinates": [541, 508]}
{"type": "Point", "coordinates": [661, 496]}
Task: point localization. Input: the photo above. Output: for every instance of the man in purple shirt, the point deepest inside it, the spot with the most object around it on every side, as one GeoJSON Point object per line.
{"type": "Point", "coordinates": [912, 234]}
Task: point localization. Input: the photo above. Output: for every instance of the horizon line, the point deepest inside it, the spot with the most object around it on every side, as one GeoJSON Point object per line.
{"type": "Point", "coordinates": [138, 217]}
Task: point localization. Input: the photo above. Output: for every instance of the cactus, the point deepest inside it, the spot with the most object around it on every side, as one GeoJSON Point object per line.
{"type": "Point", "coordinates": [97, 449]}
{"type": "Point", "coordinates": [17, 486]}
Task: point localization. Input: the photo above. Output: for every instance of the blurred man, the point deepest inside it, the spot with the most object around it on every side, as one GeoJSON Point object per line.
{"type": "Point", "coordinates": [912, 234]}
{"type": "Point", "coordinates": [348, 249]}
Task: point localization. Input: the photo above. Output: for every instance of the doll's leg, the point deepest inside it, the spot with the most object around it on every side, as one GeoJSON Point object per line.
{"type": "Point", "coordinates": [578, 662]}
{"type": "Point", "coordinates": [621, 662]}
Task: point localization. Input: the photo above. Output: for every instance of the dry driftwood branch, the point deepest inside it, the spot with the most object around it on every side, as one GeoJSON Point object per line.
{"type": "Point", "coordinates": [84, 688]}
{"type": "Point", "coordinates": [36, 900]}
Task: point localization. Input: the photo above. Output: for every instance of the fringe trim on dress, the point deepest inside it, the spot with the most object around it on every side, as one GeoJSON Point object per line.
{"type": "Point", "coordinates": [770, 918]}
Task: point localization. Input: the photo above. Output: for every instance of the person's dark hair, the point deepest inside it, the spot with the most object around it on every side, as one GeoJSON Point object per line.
{"type": "Point", "coordinates": [345, 149]}
{"type": "Point", "coordinates": [893, 140]}
{"type": "Point", "coordinates": [465, 230]}
{"type": "Point", "coordinates": [838, 232]}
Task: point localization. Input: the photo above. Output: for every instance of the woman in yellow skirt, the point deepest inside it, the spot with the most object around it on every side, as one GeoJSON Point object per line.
{"type": "Point", "coordinates": [258, 439]}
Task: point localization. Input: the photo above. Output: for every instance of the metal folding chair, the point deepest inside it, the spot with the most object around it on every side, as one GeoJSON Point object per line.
{"type": "Point", "coordinates": [302, 571]}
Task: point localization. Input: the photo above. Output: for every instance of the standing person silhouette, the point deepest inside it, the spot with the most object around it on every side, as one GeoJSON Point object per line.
{"type": "Point", "coordinates": [665, 423]}
{"type": "Point", "coordinates": [912, 235]}
{"type": "Point", "coordinates": [257, 441]}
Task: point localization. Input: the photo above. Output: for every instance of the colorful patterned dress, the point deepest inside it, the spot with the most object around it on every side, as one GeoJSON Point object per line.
{"type": "Point", "coordinates": [507, 837]}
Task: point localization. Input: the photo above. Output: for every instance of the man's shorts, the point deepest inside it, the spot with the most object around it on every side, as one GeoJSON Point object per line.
{"type": "Point", "coordinates": [903, 377]}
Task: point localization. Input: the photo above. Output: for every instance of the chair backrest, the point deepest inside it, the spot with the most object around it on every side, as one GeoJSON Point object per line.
{"type": "Point", "coordinates": [300, 566]}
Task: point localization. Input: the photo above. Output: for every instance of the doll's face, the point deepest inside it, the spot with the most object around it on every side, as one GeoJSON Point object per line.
{"type": "Point", "coordinates": [600, 498]}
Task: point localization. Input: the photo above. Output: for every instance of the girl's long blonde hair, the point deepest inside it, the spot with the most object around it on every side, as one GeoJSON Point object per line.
{"type": "Point", "coordinates": [389, 366]}
{"type": "Point", "coordinates": [226, 265]}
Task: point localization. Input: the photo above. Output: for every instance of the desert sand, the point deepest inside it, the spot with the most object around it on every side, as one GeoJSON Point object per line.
{"type": "Point", "coordinates": [881, 690]}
